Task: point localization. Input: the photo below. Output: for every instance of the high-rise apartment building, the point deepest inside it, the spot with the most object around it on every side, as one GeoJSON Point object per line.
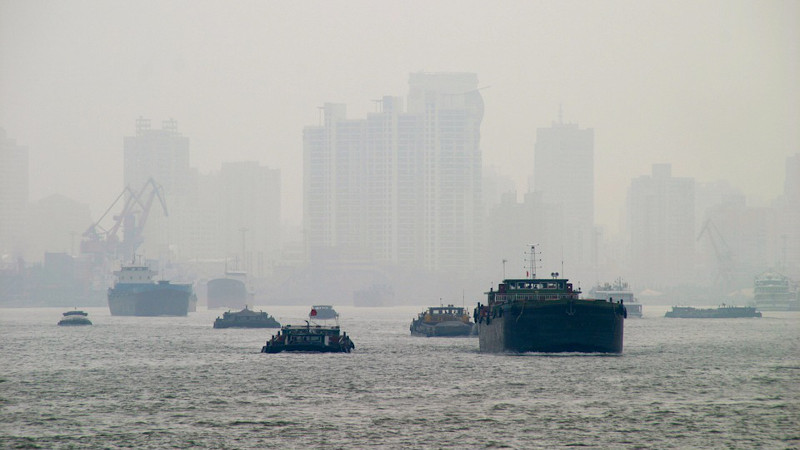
{"type": "Point", "coordinates": [401, 186]}
{"type": "Point", "coordinates": [14, 193]}
{"type": "Point", "coordinates": [564, 176]}
{"type": "Point", "coordinates": [662, 228]}
{"type": "Point", "coordinates": [249, 211]}
{"type": "Point", "coordinates": [163, 155]}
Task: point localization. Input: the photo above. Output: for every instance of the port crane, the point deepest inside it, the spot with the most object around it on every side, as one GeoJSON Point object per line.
{"type": "Point", "coordinates": [100, 241]}
{"type": "Point", "coordinates": [722, 252]}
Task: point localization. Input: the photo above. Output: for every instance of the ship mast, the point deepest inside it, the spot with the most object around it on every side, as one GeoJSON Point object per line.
{"type": "Point", "coordinates": [532, 261]}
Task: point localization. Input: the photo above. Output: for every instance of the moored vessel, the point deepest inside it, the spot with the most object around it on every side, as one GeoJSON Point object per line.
{"type": "Point", "coordinates": [229, 291]}
{"type": "Point", "coordinates": [547, 315]}
{"type": "Point", "coordinates": [246, 318]}
{"type": "Point", "coordinates": [620, 291]}
{"type": "Point", "coordinates": [75, 318]}
{"type": "Point", "coordinates": [442, 321]}
{"type": "Point", "coordinates": [309, 338]}
{"type": "Point", "coordinates": [721, 312]}
{"type": "Point", "coordinates": [773, 291]}
{"type": "Point", "coordinates": [323, 312]}
{"type": "Point", "coordinates": [136, 294]}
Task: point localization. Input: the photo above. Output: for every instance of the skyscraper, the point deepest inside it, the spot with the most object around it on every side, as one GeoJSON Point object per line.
{"type": "Point", "coordinates": [564, 176]}
{"type": "Point", "coordinates": [249, 210]}
{"type": "Point", "coordinates": [399, 186]}
{"type": "Point", "coordinates": [662, 227]}
{"type": "Point", "coordinates": [164, 156]}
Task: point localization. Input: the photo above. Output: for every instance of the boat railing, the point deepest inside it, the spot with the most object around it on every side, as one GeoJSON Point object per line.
{"type": "Point", "coordinates": [505, 298]}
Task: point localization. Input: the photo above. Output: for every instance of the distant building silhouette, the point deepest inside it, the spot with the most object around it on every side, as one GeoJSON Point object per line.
{"type": "Point", "coordinates": [564, 176]}
{"type": "Point", "coordinates": [248, 206]}
{"type": "Point", "coordinates": [14, 196]}
{"type": "Point", "coordinates": [163, 155]}
{"type": "Point", "coordinates": [401, 186]}
{"type": "Point", "coordinates": [662, 227]}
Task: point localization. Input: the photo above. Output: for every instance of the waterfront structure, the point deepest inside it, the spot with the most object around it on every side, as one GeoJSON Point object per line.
{"type": "Point", "coordinates": [402, 186]}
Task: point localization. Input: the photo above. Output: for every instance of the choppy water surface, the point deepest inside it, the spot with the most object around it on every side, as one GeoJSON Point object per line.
{"type": "Point", "coordinates": [177, 382]}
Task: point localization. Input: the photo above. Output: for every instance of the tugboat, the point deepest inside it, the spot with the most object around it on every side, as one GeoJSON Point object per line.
{"type": "Point", "coordinates": [323, 312]}
{"type": "Point", "coordinates": [136, 294]}
{"type": "Point", "coordinates": [721, 312]}
{"type": "Point", "coordinates": [442, 321]}
{"type": "Point", "coordinates": [246, 318]}
{"type": "Point", "coordinates": [547, 315]}
{"type": "Point", "coordinates": [309, 338]}
{"type": "Point", "coordinates": [75, 318]}
{"type": "Point", "coordinates": [618, 290]}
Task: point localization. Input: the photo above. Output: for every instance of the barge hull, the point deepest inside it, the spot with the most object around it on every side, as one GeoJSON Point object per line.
{"type": "Point", "coordinates": [586, 326]}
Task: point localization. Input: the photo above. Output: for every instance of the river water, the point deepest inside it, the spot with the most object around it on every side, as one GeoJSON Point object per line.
{"type": "Point", "coordinates": [137, 382]}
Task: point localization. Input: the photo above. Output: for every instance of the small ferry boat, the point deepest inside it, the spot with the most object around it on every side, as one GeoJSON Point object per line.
{"type": "Point", "coordinates": [309, 338]}
{"type": "Point", "coordinates": [618, 291]}
{"type": "Point", "coordinates": [323, 312]}
{"type": "Point", "coordinates": [721, 312]}
{"type": "Point", "coordinates": [442, 321]}
{"type": "Point", "coordinates": [246, 318]}
{"type": "Point", "coordinates": [75, 318]}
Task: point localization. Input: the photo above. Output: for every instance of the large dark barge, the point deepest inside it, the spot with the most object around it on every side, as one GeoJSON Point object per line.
{"type": "Point", "coordinates": [547, 315]}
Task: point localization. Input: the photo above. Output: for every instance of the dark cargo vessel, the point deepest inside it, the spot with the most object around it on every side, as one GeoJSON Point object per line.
{"type": "Point", "coordinates": [547, 315]}
{"type": "Point", "coordinates": [228, 292]}
{"type": "Point", "coordinates": [136, 294]}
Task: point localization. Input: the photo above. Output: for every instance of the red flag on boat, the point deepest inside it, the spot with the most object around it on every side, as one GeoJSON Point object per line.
{"type": "Point", "coordinates": [313, 312]}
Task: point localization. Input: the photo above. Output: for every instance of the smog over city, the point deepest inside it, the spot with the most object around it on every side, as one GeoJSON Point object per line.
{"type": "Point", "coordinates": [387, 157]}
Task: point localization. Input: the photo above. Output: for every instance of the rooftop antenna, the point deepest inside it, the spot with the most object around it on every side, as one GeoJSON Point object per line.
{"type": "Point", "coordinates": [504, 268]}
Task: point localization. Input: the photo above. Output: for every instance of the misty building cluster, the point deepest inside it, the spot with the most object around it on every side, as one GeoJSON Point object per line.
{"type": "Point", "coordinates": [398, 208]}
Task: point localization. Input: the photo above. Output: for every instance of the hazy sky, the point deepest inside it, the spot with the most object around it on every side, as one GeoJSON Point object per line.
{"type": "Point", "coordinates": [709, 86]}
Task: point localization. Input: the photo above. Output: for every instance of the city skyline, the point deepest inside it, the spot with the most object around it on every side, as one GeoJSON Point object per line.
{"type": "Point", "coordinates": [712, 94]}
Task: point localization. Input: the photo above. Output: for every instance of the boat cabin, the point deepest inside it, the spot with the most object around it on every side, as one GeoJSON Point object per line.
{"type": "Point", "coordinates": [533, 289]}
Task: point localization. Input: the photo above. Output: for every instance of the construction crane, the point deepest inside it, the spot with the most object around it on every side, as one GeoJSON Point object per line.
{"type": "Point", "coordinates": [721, 251]}
{"type": "Point", "coordinates": [132, 219]}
